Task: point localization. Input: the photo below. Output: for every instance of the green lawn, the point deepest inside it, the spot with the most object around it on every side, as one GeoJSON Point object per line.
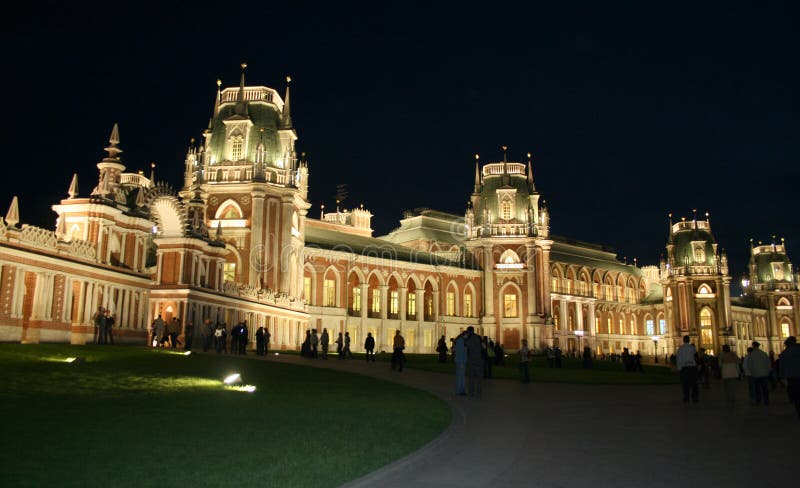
{"type": "Point", "coordinates": [138, 417]}
{"type": "Point", "coordinates": [602, 372]}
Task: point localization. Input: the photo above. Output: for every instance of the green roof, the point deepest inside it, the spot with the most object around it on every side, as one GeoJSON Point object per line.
{"type": "Point", "coordinates": [264, 116]}
{"type": "Point", "coordinates": [590, 255]}
{"type": "Point", "coordinates": [321, 238]}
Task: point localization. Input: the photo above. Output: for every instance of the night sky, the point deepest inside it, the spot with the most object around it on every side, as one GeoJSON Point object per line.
{"type": "Point", "coordinates": [630, 113]}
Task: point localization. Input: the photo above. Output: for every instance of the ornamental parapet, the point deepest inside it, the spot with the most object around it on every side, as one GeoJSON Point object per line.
{"type": "Point", "coordinates": [263, 295]}
{"type": "Point", "coordinates": [47, 240]}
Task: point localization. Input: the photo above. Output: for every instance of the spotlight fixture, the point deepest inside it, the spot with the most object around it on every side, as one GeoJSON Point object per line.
{"type": "Point", "coordinates": [231, 379]}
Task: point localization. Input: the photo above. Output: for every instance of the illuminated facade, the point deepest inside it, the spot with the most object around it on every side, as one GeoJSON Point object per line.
{"type": "Point", "coordinates": [236, 243]}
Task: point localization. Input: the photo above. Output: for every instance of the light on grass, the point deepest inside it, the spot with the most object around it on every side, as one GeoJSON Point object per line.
{"type": "Point", "coordinates": [70, 360]}
{"type": "Point", "coordinates": [243, 388]}
{"type": "Point", "coordinates": [234, 378]}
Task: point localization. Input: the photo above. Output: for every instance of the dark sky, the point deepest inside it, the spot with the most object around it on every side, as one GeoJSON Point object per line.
{"type": "Point", "coordinates": [631, 113]}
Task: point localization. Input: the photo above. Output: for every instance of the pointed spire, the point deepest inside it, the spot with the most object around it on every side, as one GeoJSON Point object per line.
{"type": "Point", "coordinates": [477, 174]}
{"type": "Point", "coordinates": [73, 186]}
{"type": "Point", "coordinates": [61, 226]}
{"type": "Point", "coordinates": [113, 140]}
{"type": "Point", "coordinates": [219, 231]}
{"type": "Point", "coordinates": [286, 118]}
{"type": "Point", "coordinates": [217, 101]}
{"type": "Point", "coordinates": [12, 217]}
{"type": "Point", "coordinates": [530, 175]}
{"type": "Point", "coordinates": [140, 198]}
{"type": "Point", "coordinates": [505, 154]}
{"type": "Point", "coordinates": [153, 173]}
{"type": "Point", "coordinates": [241, 104]}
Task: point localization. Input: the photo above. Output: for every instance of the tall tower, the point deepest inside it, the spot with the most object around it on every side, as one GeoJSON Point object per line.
{"type": "Point", "coordinates": [696, 285]}
{"type": "Point", "coordinates": [255, 190]}
{"type": "Point", "coordinates": [772, 285]}
{"type": "Point", "coordinates": [507, 233]}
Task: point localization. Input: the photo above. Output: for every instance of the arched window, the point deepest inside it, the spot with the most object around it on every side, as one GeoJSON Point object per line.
{"type": "Point", "coordinates": [706, 328]}
{"type": "Point", "coordinates": [510, 308]}
{"type": "Point", "coordinates": [704, 289]}
{"type": "Point", "coordinates": [237, 148]}
{"type": "Point", "coordinates": [505, 210]}
{"type": "Point", "coordinates": [785, 328]}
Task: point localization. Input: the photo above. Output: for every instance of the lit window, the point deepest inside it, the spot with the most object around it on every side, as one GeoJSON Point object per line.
{"type": "Point", "coordinates": [451, 303]}
{"type": "Point", "coordinates": [356, 298]}
{"type": "Point", "coordinates": [784, 329]}
{"type": "Point", "coordinates": [505, 211]}
{"type": "Point", "coordinates": [411, 304]}
{"type": "Point", "coordinates": [237, 147]}
{"type": "Point", "coordinates": [510, 305]}
{"type": "Point", "coordinates": [608, 324]}
{"type": "Point", "coordinates": [229, 271]}
{"type": "Point", "coordinates": [662, 326]}
{"type": "Point", "coordinates": [650, 327]}
{"type": "Point", "coordinates": [307, 288]}
{"type": "Point", "coordinates": [468, 305]}
{"type": "Point", "coordinates": [597, 325]}
{"type": "Point", "coordinates": [329, 289]}
{"type": "Point", "coordinates": [394, 300]}
{"type": "Point", "coordinates": [376, 301]}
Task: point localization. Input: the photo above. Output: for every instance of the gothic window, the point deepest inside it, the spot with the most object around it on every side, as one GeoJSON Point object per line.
{"type": "Point", "coordinates": [356, 308]}
{"type": "Point", "coordinates": [777, 271]}
{"type": "Point", "coordinates": [784, 328]}
{"type": "Point", "coordinates": [699, 251]}
{"type": "Point", "coordinates": [451, 303]}
{"type": "Point", "coordinates": [510, 305]}
{"type": "Point", "coordinates": [706, 331]}
{"type": "Point", "coordinates": [394, 300]}
{"type": "Point", "coordinates": [307, 289]}
{"type": "Point", "coordinates": [237, 148]}
{"type": "Point", "coordinates": [649, 327]}
{"type": "Point", "coordinates": [229, 271]}
{"type": "Point", "coordinates": [467, 304]}
{"type": "Point", "coordinates": [411, 305]}
{"type": "Point", "coordinates": [505, 210]}
{"type": "Point", "coordinates": [704, 289]}
{"type": "Point", "coordinates": [662, 326]}
{"type": "Point", "coordinates": [329, 292]}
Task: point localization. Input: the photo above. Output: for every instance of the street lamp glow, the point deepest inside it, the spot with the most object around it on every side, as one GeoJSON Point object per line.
{"type": "Point", "coordinates": [234, 378]}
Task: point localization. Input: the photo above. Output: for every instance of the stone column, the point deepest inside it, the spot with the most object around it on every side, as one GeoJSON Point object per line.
{"type": "Point", "coordinates": [257, 237]}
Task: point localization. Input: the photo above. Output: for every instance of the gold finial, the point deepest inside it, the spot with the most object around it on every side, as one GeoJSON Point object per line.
{"type": "Point", "coordinates": [477, 156]}
{"type": "Point", "coordinates": [152, 165]}
{"type": "Point", "coordinates": [505, 148]}
{"type": "Point", "coordinates": [303, 154]}
{"type": "Point", "coordinates": [529, 155]}
{"type": "Point", "coordinates": [191, 141]}
{"type": "Point", "coordinates": [243, 65]}
{"type": "Point", "coordinates": [670, 215]}
{"type": "Point", "coordinates": [219, 83]}
{"type": "Point", "coordinates": [288, 79]}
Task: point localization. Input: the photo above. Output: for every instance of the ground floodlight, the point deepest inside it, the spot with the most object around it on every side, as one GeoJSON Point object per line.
{"type": "Point", "coordinates": [70, 360]}
{"type": "Point", "coordinates": [277, 354]}
{"type": "Point", "coordinates": [234, 378]}
{"type": "Point", "coordinates": [187, 353]}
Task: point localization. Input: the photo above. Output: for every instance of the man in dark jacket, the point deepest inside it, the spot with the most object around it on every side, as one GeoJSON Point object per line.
{"type": "Point", "coordinates": [369, 346]}
{"type": "Point", "coordinates": [260, 341]}
{"type": "Point", "coordinates": [474, 362]}
{"type": "Point", "coordinates": [789, 361]}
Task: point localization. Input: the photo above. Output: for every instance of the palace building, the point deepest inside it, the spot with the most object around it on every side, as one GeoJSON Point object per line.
{"type": "Point", "coordinates": [235, 242]}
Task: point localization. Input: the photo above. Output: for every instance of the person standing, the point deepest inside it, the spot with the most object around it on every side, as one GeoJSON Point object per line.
{"type": "Point", "coordinates": [760, 368]}
{"type": "Point", "coordinates": [100, 326]}
{"type": "Point", "coordinates": [398, 344]}
{"type": "Point", "coordinates": [260, 341]}
{"type": "Point", "coordinates": [314, 343]}
{"type": "Point", "coordinates": [340, 346]}
{"type": "Point", "coordinates": [188, 336]}
{"type": "Point", "coordinates": [109, 327]}
{"type": "Point", "coordinates": [324, 341]}
{"type": "Point", "coordinates": [174, 330]}
{"type": "Point", "coordinates": [524, 362]}
{"type": "Point", "coordinates": [441, 348]}
{"type": "Point", "coordinates": [460, 357]}
{"type": "Point", "coordinates": [474, 362]}
{"type": "Point", "coordinates": [305, 347]}
{"type": "Point", "coordinates": [790, 369]}
{"type": "Point", "coordinates": [244, 338]}
{"type": "Point", "coordinates": [369, 346]}
{"type": "Point", "coordinates": [160, 328]}
{"type": "Point", "coordinates": [347, 353]}
{"type": "Point", "coordinates": [729, 369]}
{"type": "Point", "coordinates": [266, 340]}
{"type": "Point", "coordinates": [219, 338]}
{"type": "Point", "coordinates": [687, 368]}
{"type": "Point", "coordinates": [208, 335]}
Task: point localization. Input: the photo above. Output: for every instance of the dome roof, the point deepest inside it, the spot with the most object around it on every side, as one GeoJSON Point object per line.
{"type": "Point", "coordinates": [771, 264]}
{"type": "Point", "coordinates": [692, 244]}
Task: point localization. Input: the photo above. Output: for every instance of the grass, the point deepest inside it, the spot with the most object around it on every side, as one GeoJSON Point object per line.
{"type": "Point", "coordinates": [602, 372]}
{"type": "Point", "coordinates": [140, 417]}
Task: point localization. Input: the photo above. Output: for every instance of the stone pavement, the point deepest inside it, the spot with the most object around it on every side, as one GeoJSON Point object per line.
{"type": "Point", "coordinates": [564, 435]}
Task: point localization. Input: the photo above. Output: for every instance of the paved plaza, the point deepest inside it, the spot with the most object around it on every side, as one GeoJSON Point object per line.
{"type": "Point", "coordinates": [564, 435]}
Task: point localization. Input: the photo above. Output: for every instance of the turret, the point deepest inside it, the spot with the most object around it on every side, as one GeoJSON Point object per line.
{"type": "Point", "coordinates": [110, 167]}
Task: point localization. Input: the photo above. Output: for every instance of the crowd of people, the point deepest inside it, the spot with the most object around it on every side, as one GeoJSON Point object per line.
{"type": "Point", "coordinates": [763, 372]}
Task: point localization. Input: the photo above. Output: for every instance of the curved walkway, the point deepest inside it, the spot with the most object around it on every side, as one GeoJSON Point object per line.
{"type": "Point", "coordinates": [563, 435]}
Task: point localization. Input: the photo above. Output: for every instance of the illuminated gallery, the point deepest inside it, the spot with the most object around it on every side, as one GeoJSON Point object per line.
{"type": "Point", "coordinates": [236, 242]}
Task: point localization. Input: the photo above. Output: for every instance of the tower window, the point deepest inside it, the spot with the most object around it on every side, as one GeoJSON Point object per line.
{"type": "Point", "coordinates": [505, 210]}
{"type": "Point", "coordinates": [237, 148]}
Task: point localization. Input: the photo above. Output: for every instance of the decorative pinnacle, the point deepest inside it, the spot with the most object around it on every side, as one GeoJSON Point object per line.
{"type": "Point", "coordinates": [219, 83]}
{"type": "Point", "coordinates": [505, 156]}
{"type": "Point", "coordinates": [289, 79]}
{"type": "Point", "coordinates": [243, 65]}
